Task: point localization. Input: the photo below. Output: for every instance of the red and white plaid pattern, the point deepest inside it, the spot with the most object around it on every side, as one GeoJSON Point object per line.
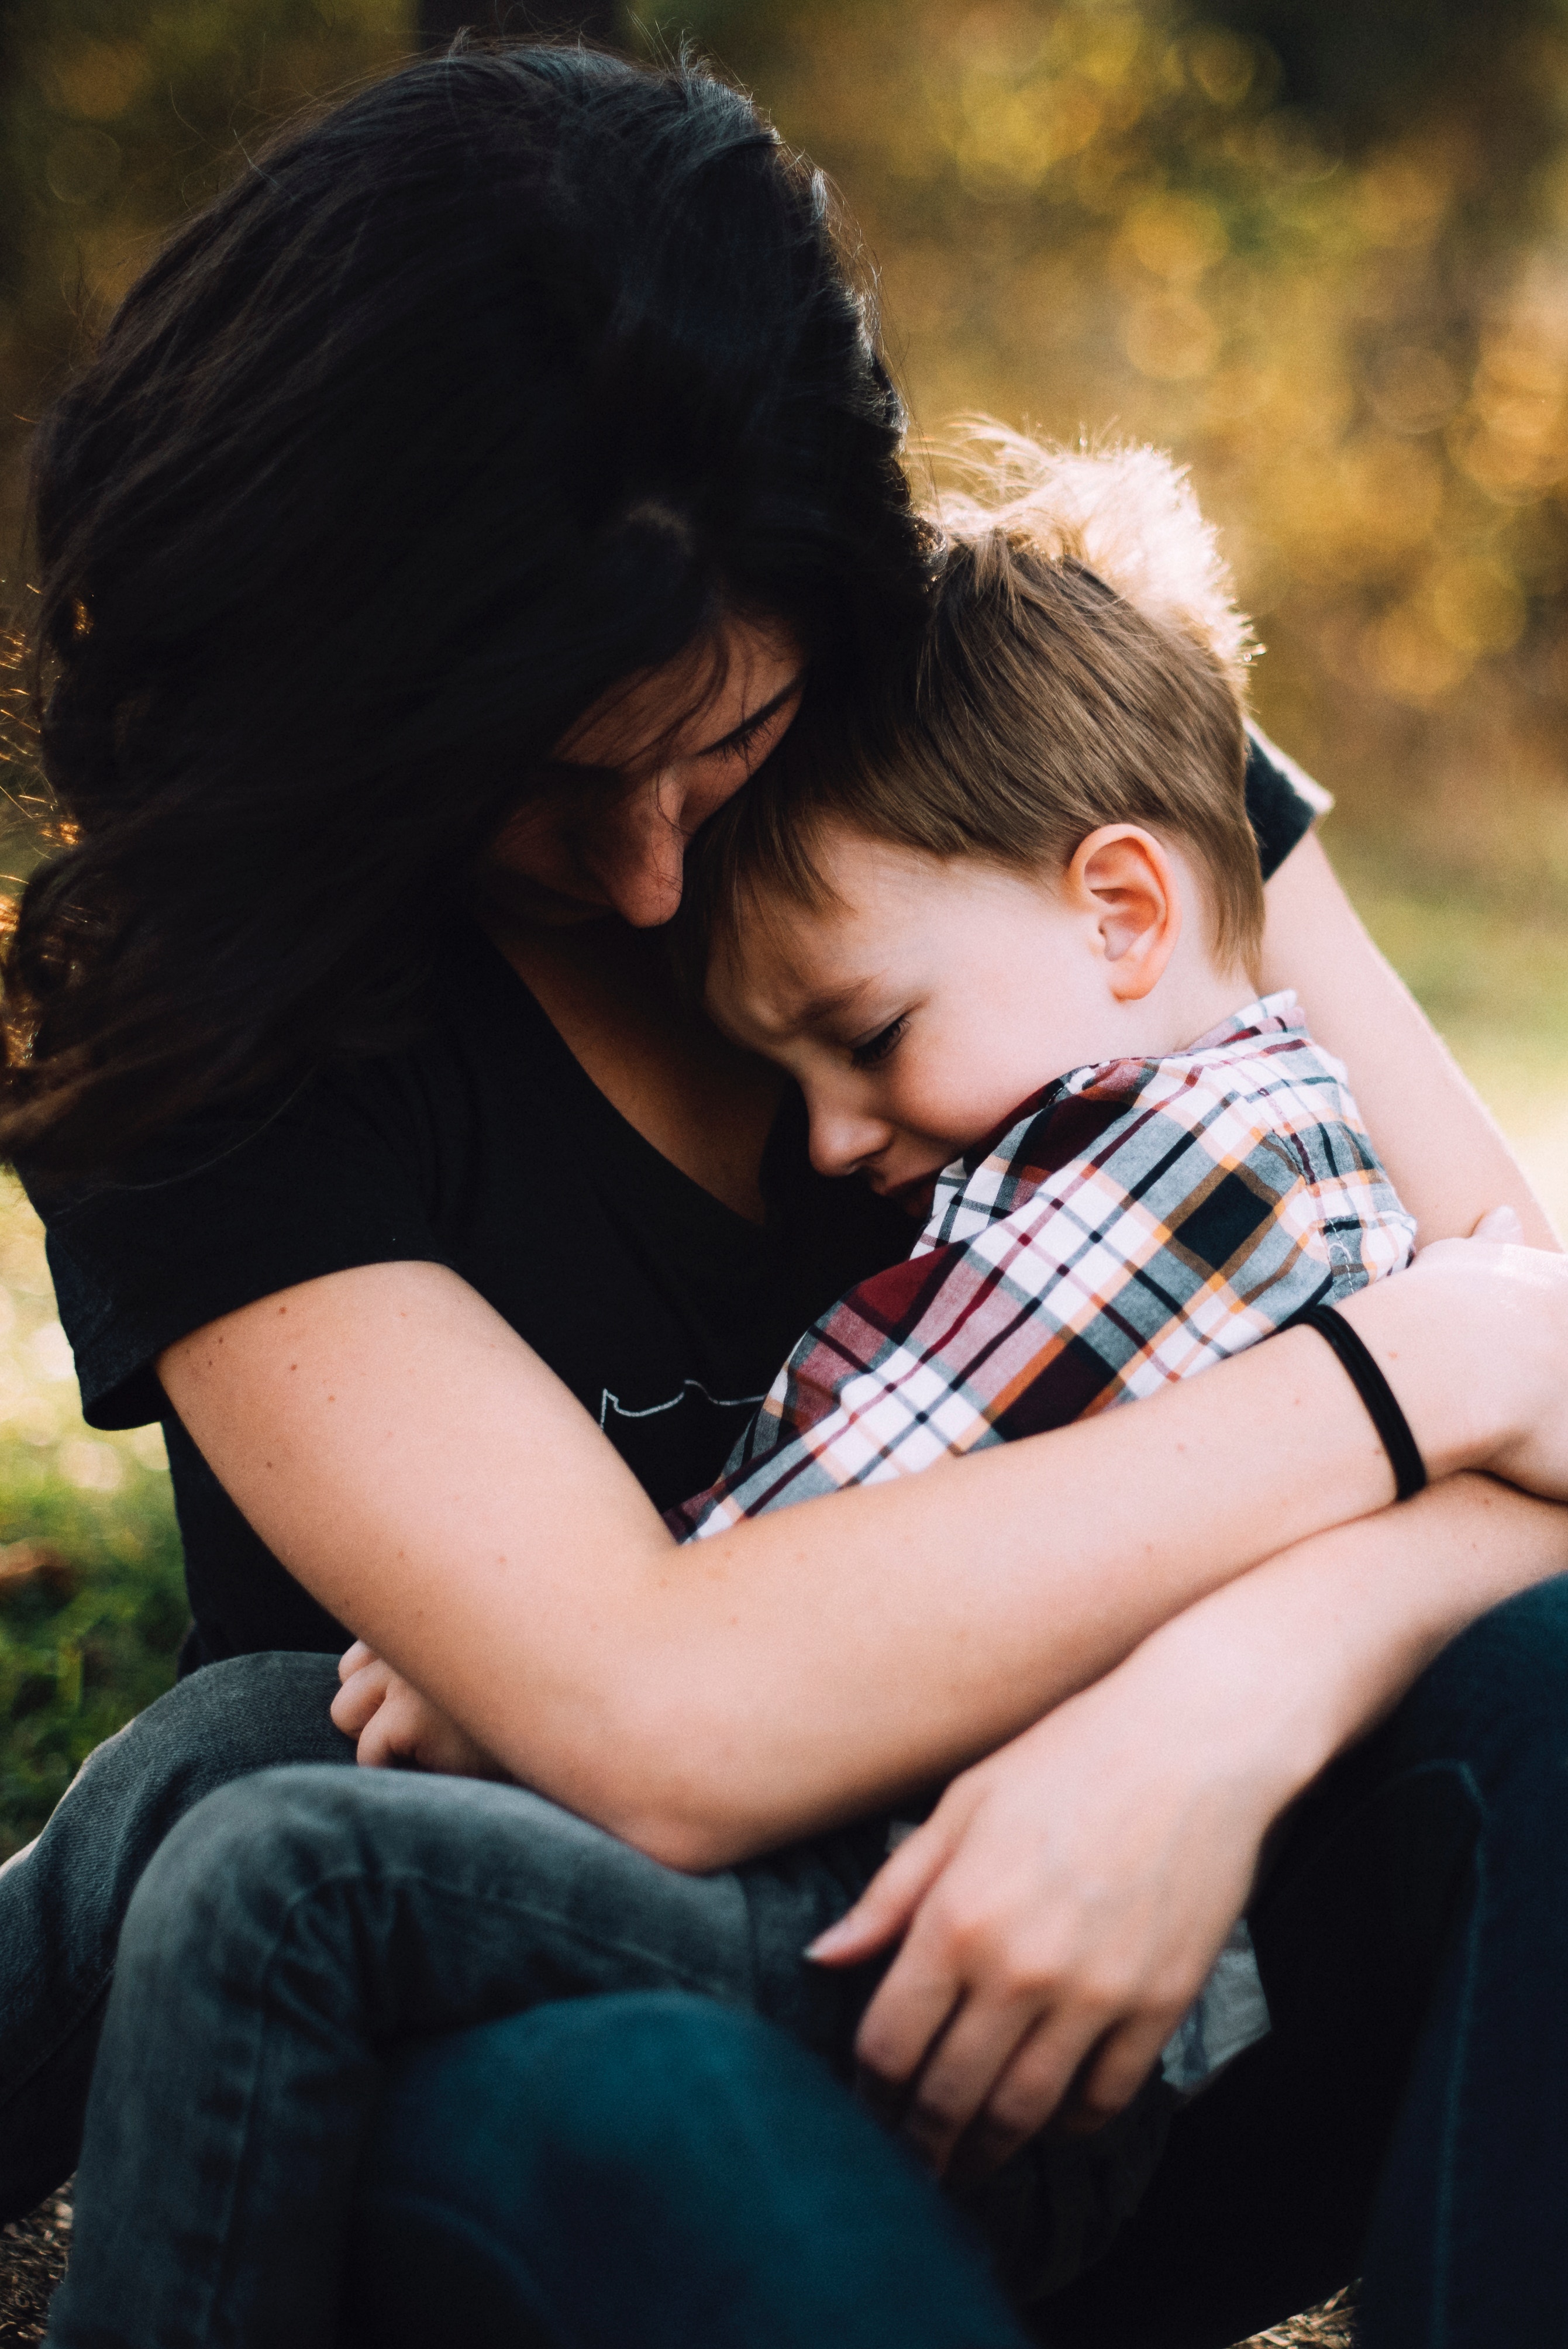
{"type": "Point", "coordinates": [1133, 1223]}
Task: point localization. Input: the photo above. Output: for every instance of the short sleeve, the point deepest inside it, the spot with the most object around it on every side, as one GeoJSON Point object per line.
{"type": "Point", "coordinates": [227, 1208]}
{"type": "Point", "coordinates": [1282, 801]}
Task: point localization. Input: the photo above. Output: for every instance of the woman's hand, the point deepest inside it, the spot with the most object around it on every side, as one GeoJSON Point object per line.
{"type": "Point", "coordinates": [1061, 1908]}
{"type": "Point", "coordinates": [397, 1728]}
{"type": "Point", "coordinates": [1474, 1342]}
{"type": "Point", "coordinates": [1064, 1900]}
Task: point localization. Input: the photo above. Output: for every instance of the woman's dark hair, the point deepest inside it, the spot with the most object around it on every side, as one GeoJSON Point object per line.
{"type": "Point", "coordinates": [498, 383]}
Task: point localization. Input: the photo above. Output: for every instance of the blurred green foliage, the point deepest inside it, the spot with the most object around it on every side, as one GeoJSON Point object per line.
{"type": "Point", "coordinates": [117, 117]}
{"type": "Point", "coordinates": [77, 1662]}
{"type": "Point", "coordinates": [92, 1597]}
{"type": "Point", "coordinates": [1321, 253]}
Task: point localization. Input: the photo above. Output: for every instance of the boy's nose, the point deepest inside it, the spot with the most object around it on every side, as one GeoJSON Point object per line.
{"type": "Point", "coordinates": [844, 1140]}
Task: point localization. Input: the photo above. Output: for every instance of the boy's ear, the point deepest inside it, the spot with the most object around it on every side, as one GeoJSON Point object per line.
{"type": "Point", "coordinates": [1123, 877]}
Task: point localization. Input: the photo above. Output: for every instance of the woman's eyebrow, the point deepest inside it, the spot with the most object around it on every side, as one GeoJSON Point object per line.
{"type": "Point", "coordinates": [757, 718]}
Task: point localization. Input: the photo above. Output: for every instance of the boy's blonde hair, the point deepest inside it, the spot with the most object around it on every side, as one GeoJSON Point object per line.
{"type": "Point", "coordinates": [1082, 664]}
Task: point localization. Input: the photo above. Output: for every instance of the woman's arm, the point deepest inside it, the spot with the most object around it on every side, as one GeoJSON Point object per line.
{"type": "Point", "coordinates": [421, 1472]}
{"type": "Point", "coordinates": [1065, 1901]}
{"type": "Point", "coordinates": [1449, 1162]}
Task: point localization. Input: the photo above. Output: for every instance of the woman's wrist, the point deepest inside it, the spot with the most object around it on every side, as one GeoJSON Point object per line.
{"type": "Point", "coordinates": [1474, 1345]}
{"type": "Point", "coordinates": [1252, 1708]}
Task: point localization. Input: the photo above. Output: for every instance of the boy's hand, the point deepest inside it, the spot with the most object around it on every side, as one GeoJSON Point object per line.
{"type": "Point", "coordinates": [397, 1728]}
{"type": "Point", "coordinates": [1060, 1909]}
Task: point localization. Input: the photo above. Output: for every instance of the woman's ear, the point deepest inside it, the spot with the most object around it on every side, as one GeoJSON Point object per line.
{"type": "Point", "coordinates": [1125, 879]}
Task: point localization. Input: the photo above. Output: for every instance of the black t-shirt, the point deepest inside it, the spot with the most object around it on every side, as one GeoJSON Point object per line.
{"type": "Point", "coordinates": [484, 1146]}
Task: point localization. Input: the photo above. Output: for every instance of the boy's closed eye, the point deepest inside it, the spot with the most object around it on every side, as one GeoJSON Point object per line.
{"type": "Point", "coordinates": [878, 1048]}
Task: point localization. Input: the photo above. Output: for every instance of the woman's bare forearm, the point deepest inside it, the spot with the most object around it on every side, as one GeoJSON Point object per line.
{"type": "Point", "coordinates": [417, 1468]}
{"type": "Point", "coordinates": [1297, 1661]}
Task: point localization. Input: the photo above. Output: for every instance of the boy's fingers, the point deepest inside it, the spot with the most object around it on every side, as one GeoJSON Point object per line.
{"type": "Point", "coordinates": [360, 1697]}
{"type": "Point", "coordinates": [387, 1739]}
{"type": "Point", "coordinates": [884, 1908]}
{"type": "Point", "coordinates": [1499, 1224]}
{"type": "Point", "coordinates": [353, 1659]}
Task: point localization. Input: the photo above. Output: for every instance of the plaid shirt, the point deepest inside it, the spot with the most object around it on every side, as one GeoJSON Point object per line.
{"type": "Point", "coordinates": [1134, 1222]}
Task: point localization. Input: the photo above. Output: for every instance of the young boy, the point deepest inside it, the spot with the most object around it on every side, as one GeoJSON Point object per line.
{"type": "Point", "coordinates": [1009, 953]}
{"type": "Point", "coordinates": [1007, 946]}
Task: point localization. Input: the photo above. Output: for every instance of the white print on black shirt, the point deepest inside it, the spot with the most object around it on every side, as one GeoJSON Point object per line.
{"type": "Point", "coordinates": [609, 1403]}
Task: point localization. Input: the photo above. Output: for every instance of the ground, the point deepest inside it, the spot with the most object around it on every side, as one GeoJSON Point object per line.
{"type": "Point", "coordinates": [33, 2259]}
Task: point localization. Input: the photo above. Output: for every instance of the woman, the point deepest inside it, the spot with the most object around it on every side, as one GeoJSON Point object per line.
{"type": "Point", "coordinates": [455, 514]}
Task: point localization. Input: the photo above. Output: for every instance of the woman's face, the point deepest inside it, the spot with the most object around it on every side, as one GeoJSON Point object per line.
{"type": "Point", "coordinates": [615, 842]}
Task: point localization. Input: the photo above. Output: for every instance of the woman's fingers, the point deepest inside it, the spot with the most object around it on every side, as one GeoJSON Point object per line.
{"type": "Point", "coordinates": [973, 2061]}
{"type": "Point", "coordinates": [1083, 1880]}
{"type": "Point", "coordinates": [1477, 1348]}
{"type": "Point", "coordinates": [979, 2034]}
{"type": "Point", "coordinates": [1117, 2070]}
{"type": "Point", "coordinates": [912, 2006]}
{"type": "Point", "coordinates": [1038, 2085]}
{"type": "Point", "coordinates": [1000, 2072]}
{"type": "Point", "coordinates": [884, 1908]}
{"type": "Point", "coordinates": [354, 1657]}
{"type": "Point", "coordinates": [362, 1693]}
{"type": "Point", "coordinates": [1500, 1223]}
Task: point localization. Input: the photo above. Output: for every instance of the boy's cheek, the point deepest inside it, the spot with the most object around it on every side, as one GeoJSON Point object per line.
{"type": "Point", "coordinates": [946, 1110]}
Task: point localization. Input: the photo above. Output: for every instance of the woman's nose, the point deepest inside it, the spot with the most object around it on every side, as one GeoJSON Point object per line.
{"type": "Point", "coordinates": [638, 851]}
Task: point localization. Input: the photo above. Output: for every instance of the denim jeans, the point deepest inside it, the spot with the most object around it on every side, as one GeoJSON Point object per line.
{"type": "Point", "coordinates": [1408, 2117]}
{"type": "Point", "coordinates": [63, 1902]}
{"type": "Point", "coordinates": [299, 1921]}
{"type": "Point", "coordinates": [648, 2171]}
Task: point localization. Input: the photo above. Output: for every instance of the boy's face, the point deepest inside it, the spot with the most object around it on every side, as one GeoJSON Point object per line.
{"type": "Point", "coordinates": [937, 996]}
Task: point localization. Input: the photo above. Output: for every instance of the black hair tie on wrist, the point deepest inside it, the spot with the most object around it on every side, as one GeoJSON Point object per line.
{"type": "Point", "coordinates": [1382, 1409]}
